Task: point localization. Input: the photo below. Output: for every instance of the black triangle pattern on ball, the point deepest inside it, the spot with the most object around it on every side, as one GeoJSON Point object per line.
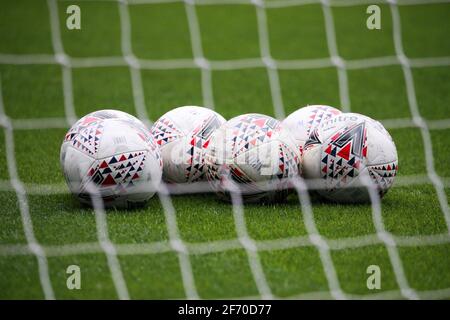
{"type": "Point", "coordinates": [116, 172]}
{"type": "Point", "coordinates": [164, 131]}
{"type": "Point", "coordinates": [251, 130]}
{"type": "Point", "coordinates": [199, 140]}
{"type": "Point", "coordinates": [313, 139]}
{"type": "Point", "coordinates": [343, 155]}
{"type": "Point", "coordinates": [383, 175]}
{"type": "Point", "coordinates": [87, 139]}
{"type": "Point", "coordinates": [318, 114]}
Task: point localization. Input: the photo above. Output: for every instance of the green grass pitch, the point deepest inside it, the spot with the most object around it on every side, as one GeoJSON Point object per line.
{"type": "Point", "coordinates": [160, 31]}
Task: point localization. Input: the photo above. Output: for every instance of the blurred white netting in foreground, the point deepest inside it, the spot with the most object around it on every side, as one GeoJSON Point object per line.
{"type": "Point", "coordinates": [252, 247]}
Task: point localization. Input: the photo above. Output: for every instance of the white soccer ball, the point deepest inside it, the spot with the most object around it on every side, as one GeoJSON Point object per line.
{"type": "Point", "coordinates": [255, 152]}
{"type": "Point", "coordinates": [183, 135]}
{"type": "Point", "coordinates": [119, 158]}
{"type": "Point", "coordinates": [303, 121]}
{"type": "Point", "coordinates": [348, 152]}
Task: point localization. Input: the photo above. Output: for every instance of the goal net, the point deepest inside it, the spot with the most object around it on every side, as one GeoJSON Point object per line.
{"type": "Point", "coordinates": [252, 247]}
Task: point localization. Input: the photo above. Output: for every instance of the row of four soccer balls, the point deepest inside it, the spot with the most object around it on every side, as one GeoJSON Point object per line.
{"type": "Point", "coordinates": [113, 154]}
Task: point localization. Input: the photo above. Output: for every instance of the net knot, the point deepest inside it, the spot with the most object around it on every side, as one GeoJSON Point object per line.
{"type": "Point", "coordinates": [419, 122]}
{"type": "Point", "coordinates": [108, 247]}
{"type": "Point", "coordinates": [178, 245]}
{"type": "Point", "coordinates": [36, 249]}
{"type": "Point", "coordinates": [387, 238]}
{"type": "Point", "coordinates": [409, 293]}
{"type": "Point", "coordinates": [202, 63]}
{"type": "Point", "coordinates": [318, 241]}
{"type": "Point", "coordinates": [62, 59]}
{"type": "Point", "coordinates": [269, 62]}
{"type": "Point", "coordinates": [404, 61]}
{"type": "Point", "coordinates": [132, 61]}
{"type": "Point", "coordinates": [258, 3]}
{"type": "Point", "coordinates": [338, 61]}
{"type": "Point", "coordinates": [5, 122]}
{"type": "Point", "coordinates": [248, 244]}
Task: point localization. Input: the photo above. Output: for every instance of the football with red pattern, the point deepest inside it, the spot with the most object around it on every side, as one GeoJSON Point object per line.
{"type": "Point", "coordinates": [114, 158]}
{"type": "Point", "coordinates": [256, 154]}
{"type": "Point", "coordinates": [346, 154]}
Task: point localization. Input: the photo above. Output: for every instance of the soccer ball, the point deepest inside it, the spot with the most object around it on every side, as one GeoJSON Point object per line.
{"type": "Point", "coordinates": [257, 153]}
{"type": "Point", "coordinates": [343, 150]}
{"type": "Point", "coordinates": [118, 157]}
{"type": "Point", "coordinates": [183, 135]}
{"type": "Point", "coordinates": [303, 121]}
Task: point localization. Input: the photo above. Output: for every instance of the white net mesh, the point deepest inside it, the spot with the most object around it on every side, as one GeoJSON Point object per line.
{"type": "Point", "coordinates": [244, 241]}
